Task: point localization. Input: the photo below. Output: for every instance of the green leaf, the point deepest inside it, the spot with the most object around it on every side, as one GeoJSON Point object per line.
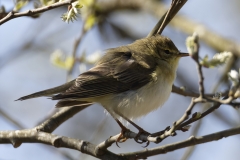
{"type": "Point", "coordinates": [19, 5]}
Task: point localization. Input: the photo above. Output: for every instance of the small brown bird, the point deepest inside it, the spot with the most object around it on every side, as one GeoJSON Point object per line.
{"type": "Point", "coordinates": [129, 81]}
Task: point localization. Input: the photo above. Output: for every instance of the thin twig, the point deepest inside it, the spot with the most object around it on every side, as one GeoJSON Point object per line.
{"type": "Point", "coordinates": [225, 101]}
{"type": "Point", "coordinates": [103, 146]}
{"type": "Point", "coordinates": [171, 131]}
{"type": "Point", "coordinates": [12, 15]}
{"type": "Point", "coordinates": [193, 49]}
{"type": "Point", "coordinates": [194, 130]}
{"type": "Point", "coordinates": [167, 17]}
{"type": "Point", "coordinates": [75, 47]}
{"type": "Point", "coordinates": [183, 92]}
{"type": "Point", "coordinates": [193, 119]}
{"type": "Point", "coordinates": [200, 74]}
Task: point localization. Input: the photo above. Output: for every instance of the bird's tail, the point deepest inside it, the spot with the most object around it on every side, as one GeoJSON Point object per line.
{"type": "Point", "coordinates": [48, 92]}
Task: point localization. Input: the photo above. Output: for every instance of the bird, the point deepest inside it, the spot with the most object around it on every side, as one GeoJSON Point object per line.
{"type": "Point", "coordinates": [129, 81]}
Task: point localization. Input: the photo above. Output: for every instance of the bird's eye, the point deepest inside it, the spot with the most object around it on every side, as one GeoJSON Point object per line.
{"type": "Point", "coordinates": [166, 51]}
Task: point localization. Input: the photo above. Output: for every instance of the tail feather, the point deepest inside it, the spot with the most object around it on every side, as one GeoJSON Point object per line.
{"type": "Point", "coordinates": [71, 103]}
{"type": "Point", "coordinates": [48, 92]}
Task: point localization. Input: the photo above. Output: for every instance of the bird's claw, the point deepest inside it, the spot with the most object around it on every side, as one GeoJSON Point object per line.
{"type": "Point", "coordinates": [141, 131]}
{"type": "Point", "coordinates": [121, 137]}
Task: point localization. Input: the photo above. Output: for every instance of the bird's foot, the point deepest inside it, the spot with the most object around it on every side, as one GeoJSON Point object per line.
{"type": "Point", "coordinates": [121, 138]}
{"type": "Point", "coordinates": [141, 132]}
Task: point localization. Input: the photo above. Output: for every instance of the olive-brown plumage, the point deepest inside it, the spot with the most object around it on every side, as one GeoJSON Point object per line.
{"type": "Point", "coordinates": [131, 80]}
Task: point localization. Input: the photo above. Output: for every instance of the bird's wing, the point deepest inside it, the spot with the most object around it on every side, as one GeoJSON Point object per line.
{"type": "Point", "coordinates": [120, 72]}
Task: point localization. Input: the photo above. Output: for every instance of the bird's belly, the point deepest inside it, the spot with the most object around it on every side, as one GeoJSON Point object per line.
{"type": "Point", "coordinates": [135, 104]}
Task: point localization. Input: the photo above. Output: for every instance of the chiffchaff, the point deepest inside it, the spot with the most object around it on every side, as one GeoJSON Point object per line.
{"type": "Point", "coordinates": [129, 81]}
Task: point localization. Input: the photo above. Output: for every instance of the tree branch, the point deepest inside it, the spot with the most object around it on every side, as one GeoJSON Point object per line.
{"type": "Point", "coordinates": [200, 116]}
{"type": "Point", "coordinates": [58, 118]}
{"type": "Point", "coordinates": [33, 136]}
{"type": "Point", "coordinates": [75, 47]}
{"type": "Point", "coordinates": [171, 131]}
{"type": "Point", "coordinates": [167, 17]}
{"type": "Point", "coordinates": [12, 15]}
{"type": "Point", "coordinates": [183, 92]}
{"type": "Point", "coordinates": [189, 142]}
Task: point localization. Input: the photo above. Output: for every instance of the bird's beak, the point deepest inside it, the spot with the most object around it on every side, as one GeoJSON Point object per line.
{"type": "Point", "coordinates": [183, 54]}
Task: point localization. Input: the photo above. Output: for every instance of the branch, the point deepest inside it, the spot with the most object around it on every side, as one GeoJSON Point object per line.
{"type": "Point", "coordinates": [12, 15]}
{"type": "Point", "coordinates": [75, 47]}
{"type": "Point", "coordinates": [33, 136]}
{"type": "Point", "coordinates": [184, 92]}
{"type": "Point", "coordinates": [182, 124]}
{"type": "Point", "coordinates": [171, 131]}
{"type": "Point", "coordinates": [193, 49]}
{"type": "Point", "coordinates": [58, 118]}
{"type": "Point", "coordinates": [103, 146]}
{"type": "Point", "coordinates": [183, 144]}
{"type": "Point", "coordinates": [167, 17]}
{"type": "Point", "coordinates": [200, 116]}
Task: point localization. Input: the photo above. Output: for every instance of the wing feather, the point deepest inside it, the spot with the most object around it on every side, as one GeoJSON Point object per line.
{"type": "Point", "coordinates": [120, 74]}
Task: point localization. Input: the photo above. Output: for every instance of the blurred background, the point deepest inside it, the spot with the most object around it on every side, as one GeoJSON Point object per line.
{"type": "Point", "coordinates": [31, 47]}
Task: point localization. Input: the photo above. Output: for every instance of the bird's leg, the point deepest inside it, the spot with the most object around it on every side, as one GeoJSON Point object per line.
{"type": "Point", "coordinates": [121, 137]}
{"type": "Point", "coordinates": [140, 130]}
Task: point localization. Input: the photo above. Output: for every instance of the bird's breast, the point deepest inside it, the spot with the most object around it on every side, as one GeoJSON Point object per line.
{"type": "Point", "coordinates": [137, 103]}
